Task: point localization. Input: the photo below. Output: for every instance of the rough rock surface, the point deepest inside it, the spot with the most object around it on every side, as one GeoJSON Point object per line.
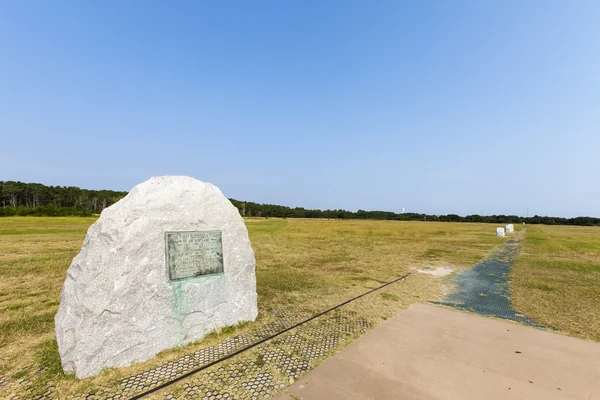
{"type": "Point", "coordinates": [117, 304]}
{"type": "Point", "coordinates": [499, 231]}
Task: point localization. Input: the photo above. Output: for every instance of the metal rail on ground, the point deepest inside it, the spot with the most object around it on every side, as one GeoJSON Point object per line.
{"type": "Point", "coordinates": [235, 353]}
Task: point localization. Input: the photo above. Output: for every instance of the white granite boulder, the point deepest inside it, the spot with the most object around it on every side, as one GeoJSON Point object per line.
{"type": "Point", "coordinates": [499, 231]}
{"type": "Point", "coordinates": [510, 228]}
{"type": "Point", "coordinates": [122, 304]}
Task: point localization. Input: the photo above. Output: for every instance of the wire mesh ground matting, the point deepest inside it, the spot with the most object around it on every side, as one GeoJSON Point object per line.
{"type": "Point", "coordinates": [485, 288]}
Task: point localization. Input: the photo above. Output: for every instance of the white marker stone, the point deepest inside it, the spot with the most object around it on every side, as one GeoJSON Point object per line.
{"type": "Point", "coordinates": [510, 228]}
{"type": "Point", "coordinates": [499, 231]}
{"type": "Point", "coordinates": [162, 267]}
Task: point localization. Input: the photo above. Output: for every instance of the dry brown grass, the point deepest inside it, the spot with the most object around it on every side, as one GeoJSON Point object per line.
{"type": "Point", "coordinates": [327, 261]}
{"type": "Point", "coordinates": [34, 253]}
{"type": "Point", "coordinates": [556, 280]}
{"type": "Point", "coordinates": [313, 263]}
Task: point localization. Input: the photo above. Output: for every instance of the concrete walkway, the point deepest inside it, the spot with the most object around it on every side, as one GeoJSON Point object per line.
{"type": "Point", "coordinates": [429, 352]}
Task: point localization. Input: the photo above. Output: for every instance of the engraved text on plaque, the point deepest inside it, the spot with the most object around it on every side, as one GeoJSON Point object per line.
{"type": "Point", "coordinates": [193, 254]}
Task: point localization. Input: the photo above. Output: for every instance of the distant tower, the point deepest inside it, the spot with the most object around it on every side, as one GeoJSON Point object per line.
{"type": "Point", "coordinates": [403, 210]}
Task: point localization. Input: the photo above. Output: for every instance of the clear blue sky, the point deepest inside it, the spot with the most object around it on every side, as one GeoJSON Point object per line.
{"type": "Point", "coordinates": [489, 107]}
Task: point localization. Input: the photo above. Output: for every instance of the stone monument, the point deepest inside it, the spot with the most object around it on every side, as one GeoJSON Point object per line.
{"type": "Point", "coordinates": [161, 268]}
{"type": "Point", "coordinates": [510, 228]}
{"type": "Point", "coordinates": [499, 231]}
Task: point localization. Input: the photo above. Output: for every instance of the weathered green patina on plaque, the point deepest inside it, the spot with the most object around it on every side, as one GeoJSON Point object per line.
{"type": "Point", "coordinates": [193, 253]}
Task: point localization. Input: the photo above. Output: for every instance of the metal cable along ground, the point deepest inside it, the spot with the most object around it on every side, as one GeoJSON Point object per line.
{"type": "Point", "coordinates": [188, 374]}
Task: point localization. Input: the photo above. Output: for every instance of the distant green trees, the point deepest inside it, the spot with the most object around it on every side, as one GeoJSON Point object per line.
{"type": "Point", "coordinates": [18, 198]}
{"type": "Point", "coordinates": [250, 209]}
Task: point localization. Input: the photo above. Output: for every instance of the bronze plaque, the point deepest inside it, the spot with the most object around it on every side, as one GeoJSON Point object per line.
{"type": "Point", "coordinates": [193, 253]}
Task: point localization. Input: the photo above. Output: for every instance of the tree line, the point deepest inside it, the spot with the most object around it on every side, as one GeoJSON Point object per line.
{"type": "Point", "coordinates": [18, 198]}
{"type": "Point", "coordinates": [250, 209]}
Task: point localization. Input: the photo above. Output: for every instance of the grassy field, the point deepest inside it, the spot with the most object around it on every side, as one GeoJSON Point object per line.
{"type": "Point", "coordinates": [312, 263]}
{"type": "Point", "coordinates": [557, 279]}
{"type": "Point", "coordinates": [34, 255]}
{"type": "Point", "coordinates": [320, 262]}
